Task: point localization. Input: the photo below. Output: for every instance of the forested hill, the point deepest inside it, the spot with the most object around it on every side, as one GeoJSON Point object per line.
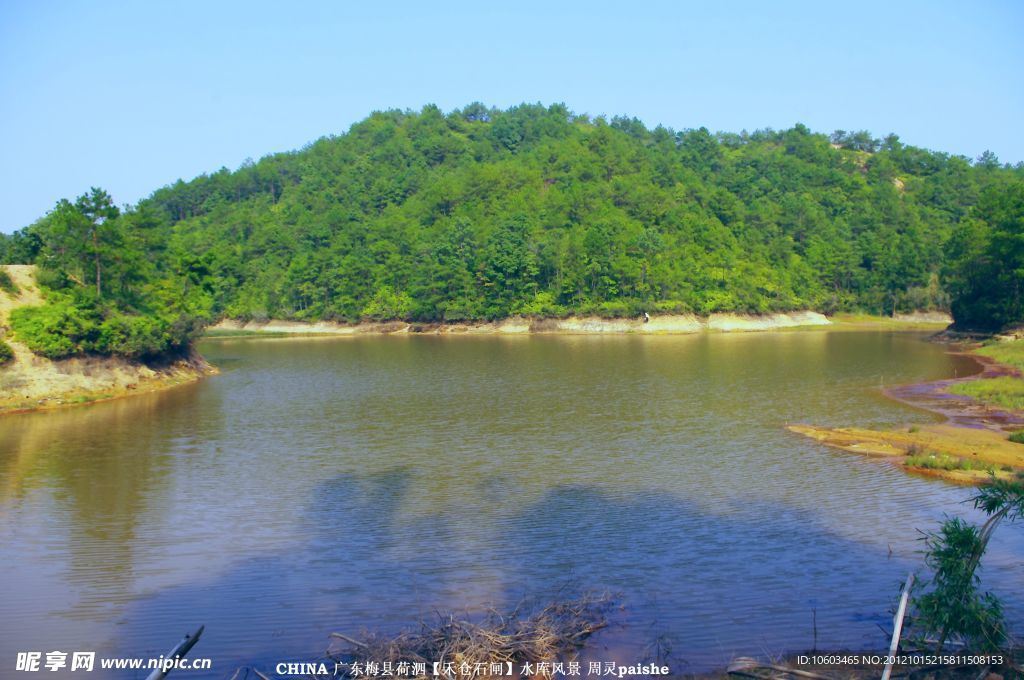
{"type": "Point", "coordinates": [483, 213]}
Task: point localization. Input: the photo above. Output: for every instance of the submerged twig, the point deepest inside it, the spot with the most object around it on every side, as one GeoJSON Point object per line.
{"type": "Point", "coordinates": [349, 640]}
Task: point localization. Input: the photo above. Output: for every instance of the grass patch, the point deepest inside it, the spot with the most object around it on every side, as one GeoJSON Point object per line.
{"type": "Point", "coordinates": [6, 353]}
{"type": "Point", "coordinates": [7, 284]}
{"type": "Point", "coordinates": [1010, 353]}
{"type": "Point", "coordinates": [1005, 391]}
{"type": "Point", "coordinates": [858, 318]}
{"type": "Point", "coordinates": [933, 461]}
{"type": "Point", "coordinates": [1017, 437]}
{"type": "Point", "coordinates": [88, 398]}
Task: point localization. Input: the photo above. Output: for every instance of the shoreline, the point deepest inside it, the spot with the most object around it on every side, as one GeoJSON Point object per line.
{"type": "Point", "coordinates": [91, 380]}
{"type": "Point", "coordinates": [968, 447]}
{"type": "Point", "coordinates": [665, 324]}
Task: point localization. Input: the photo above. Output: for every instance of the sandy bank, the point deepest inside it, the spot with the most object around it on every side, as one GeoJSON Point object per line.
{"type": "Point", "coordinates": [740, 322]}
{"type": "Point", "coordinates": [924, 317]}
{"type": "Point", "coordinates": [39, 383]}
{"type": "Point", "coordinates": [660, 324]}
{"type": "Point", "coordinates": [31, 382]}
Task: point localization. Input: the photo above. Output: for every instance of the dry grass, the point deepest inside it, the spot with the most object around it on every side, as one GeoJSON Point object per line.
{"type": "Point", "coordinates": [551, 634]}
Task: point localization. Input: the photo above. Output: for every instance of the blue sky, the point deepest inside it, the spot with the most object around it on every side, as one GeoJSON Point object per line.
{"type": "Point", "coordinates": [131, 96]}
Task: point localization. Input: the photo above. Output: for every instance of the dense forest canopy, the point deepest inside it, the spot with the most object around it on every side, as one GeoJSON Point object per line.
{"type": "Point", "coordinates": [483, 213]}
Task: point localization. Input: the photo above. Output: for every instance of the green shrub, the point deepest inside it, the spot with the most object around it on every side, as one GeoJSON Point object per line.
{"type": "Point", "coordinates": [672, 307]}
{"type": "Point", "coordinates": [617, 309]}
{"type": "Point", "coordinates": [1017, 437]}
{"type": "Point", "coordinates": [6, 353]}
{"type": "Point", "coordinates": [7, 283]}
{"type": "Point", "coordinates": [387, 305]}
{"type": "Point", "coordinates": [932, 461]}
{"type": "Point", "coordinates": [133, 336]}
{"type": "Point", "coordinates": [62, 329]}
{"type": "Point", "coordinates": [56, 330]}
{"type": "Point", "coordinates": [542, 305]}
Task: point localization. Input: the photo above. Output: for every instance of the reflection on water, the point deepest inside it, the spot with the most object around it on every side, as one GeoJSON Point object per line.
{"type": "Point", "coordinates": [336, 484]}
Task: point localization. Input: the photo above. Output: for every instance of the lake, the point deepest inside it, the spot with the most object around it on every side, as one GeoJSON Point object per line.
{"type": "Point", "coordinates": [342, 484]}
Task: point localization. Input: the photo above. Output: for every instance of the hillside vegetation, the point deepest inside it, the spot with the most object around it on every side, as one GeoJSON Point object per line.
{"type": "Point", "coordinates": [108, 289]}
{"type": "Point", "coordinates": [30, 381]}
{"type": "Point", "coordinates": [536, 211]}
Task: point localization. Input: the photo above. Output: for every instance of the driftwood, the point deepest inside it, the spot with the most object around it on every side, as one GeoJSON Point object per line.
{"type": "Point", "coordinates": [349, 640]}
{"type": "Point", "coordinates": [548, 634]}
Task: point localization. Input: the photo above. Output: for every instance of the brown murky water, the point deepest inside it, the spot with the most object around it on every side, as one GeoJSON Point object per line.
{"type": "Point", "coordinates": [335, 484]}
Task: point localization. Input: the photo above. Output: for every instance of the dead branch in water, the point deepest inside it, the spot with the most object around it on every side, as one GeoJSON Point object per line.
{"type": "Point", "coordinates": [550, 634]}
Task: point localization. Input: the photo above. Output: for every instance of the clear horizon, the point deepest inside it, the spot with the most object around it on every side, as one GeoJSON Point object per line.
{"type": "Point", "coordinates": [134, 97]}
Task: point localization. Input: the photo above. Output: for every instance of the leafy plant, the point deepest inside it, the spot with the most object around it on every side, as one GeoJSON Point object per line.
{"type": "Point", "coordinates": [953, 606]}
{"type": "Point", "coordinates": [1017, 437]}
{"type": "Point", "coordinates": [481, 214]}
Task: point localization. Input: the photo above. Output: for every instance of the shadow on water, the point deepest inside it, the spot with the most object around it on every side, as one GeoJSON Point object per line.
{"type": "Point", "coordinates": [366, 567]}
{"type": "Point", "coordinates": [321, 486]}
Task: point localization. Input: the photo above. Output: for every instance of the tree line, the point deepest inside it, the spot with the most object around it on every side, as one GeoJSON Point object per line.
{"type": "Point", "coordinates": [484, 213]}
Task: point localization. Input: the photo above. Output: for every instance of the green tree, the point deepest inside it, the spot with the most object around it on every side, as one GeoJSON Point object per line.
{"type": "Point", "coordinates": [101, 234]}
{"type": "Point", "coordinates": [986, 261]}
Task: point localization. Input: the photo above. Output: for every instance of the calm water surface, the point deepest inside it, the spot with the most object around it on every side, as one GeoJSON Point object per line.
{"type": "Point", "coordinates": [346, 483]}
